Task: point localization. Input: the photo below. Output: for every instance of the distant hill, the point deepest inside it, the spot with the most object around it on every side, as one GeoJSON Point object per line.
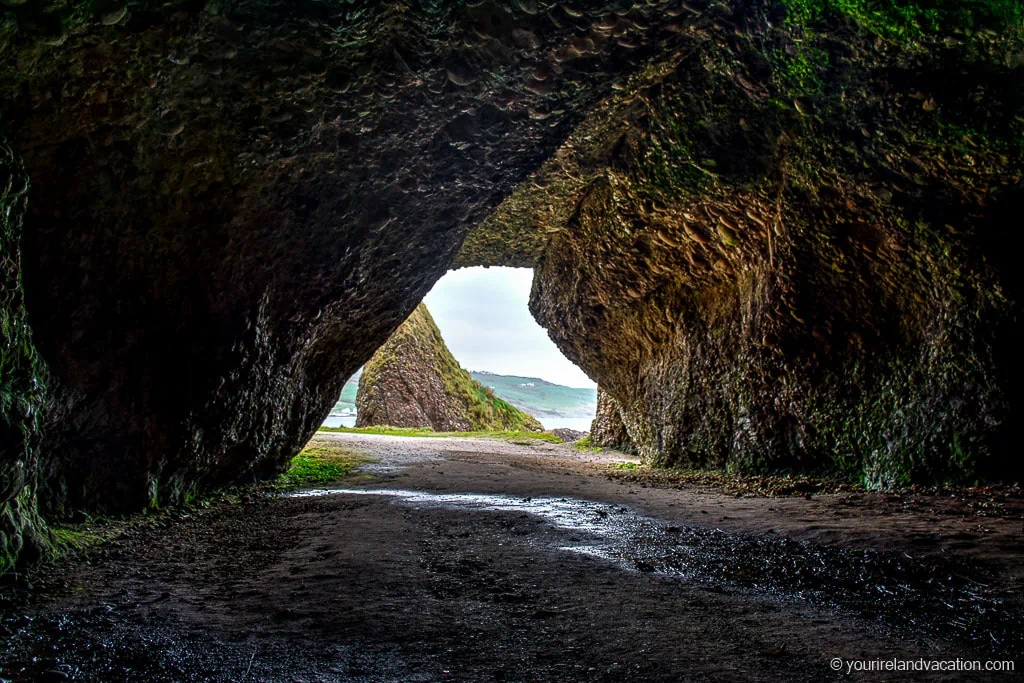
{"type": "Point", "coordinates": [535, 396]}
{"type": "Point", "coordinates": [538, 397]}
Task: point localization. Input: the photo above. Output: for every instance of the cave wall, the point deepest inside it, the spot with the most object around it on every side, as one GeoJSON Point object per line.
{"type": "Point", "coordinates": [23, 536]}
{"type": "Point", "coordinates": [234, 203]}
{"type": "Point", "coordinates": [608, 430]}
{"type": "Point", "coordinates": [796, 255]}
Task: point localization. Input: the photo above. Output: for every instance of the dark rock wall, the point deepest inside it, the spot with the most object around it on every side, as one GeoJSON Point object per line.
{"type": "Point", "coordinates": [790, 270]}
{"type": "Point", "coordinates": [23, 536]}
{"type": "Point", "coordinates": [233, 204]}
{"type": "Point", "coordinates": [607, 430]}
{"type": "Point", "coordinates": [414, 381]}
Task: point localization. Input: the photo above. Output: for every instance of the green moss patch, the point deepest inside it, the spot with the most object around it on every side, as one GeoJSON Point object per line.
{"type": "Point", "coordinates": [320, 464]}
{"type": "Point", "coordinates": [909, 19]}
{"type": "Point", "coordinates": [586, 444]}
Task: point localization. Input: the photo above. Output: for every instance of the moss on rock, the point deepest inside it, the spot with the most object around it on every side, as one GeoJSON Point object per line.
{"type": "Point", "coordinates": [414, 381]}
{"type": "Point", "coordinates": [23, 535]}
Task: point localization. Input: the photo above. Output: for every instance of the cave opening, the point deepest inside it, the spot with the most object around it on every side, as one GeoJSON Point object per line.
{"type": "Point", "coordinates": [483, 317]}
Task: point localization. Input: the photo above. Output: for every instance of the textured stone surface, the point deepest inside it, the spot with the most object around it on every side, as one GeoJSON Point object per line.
{"type": "Point", "coordinates": [23, 536]}
{"type": "Point", "coordinates": [234, 203]}
{"type": "Point", "coordinates": [607, 430]}
{"type": "Point", "coordinates": [414, 381]}
{"type": "Point", "coordinates": [809, 269]}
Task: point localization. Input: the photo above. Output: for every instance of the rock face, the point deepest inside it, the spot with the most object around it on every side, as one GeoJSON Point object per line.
{"type": "Point", "coordinates": [414, 381]}
{"type": "Point", "coordinates": [567, 435]}
{"type": "Point", "coordinates": [234, 203]}
{"type": "Point", "coordinates": [607, 429]}
{"type": "Point", "coordinates": [809, 269]}
{"type": "Point", "coordinates": [22, 383]}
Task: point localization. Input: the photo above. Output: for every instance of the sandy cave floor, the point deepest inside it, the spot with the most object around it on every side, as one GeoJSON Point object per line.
{"type": "Point", "coordinates": [482, 560]}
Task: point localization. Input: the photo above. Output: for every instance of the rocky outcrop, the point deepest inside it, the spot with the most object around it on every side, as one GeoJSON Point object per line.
{"type": "Point", "coordinates": [414, 381]}
{"type": "Point", "coordinates": [567, 435]}
{"type": "Point", "coordinates": [23, 536]}
{"type": "Point", "coordinates": [607, 429]}
{"type": "Point", "coordinates": [809, 269]}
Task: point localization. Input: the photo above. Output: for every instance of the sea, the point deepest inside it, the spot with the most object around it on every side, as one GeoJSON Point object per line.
{"type": "Point", "coordinates": [580, 424]}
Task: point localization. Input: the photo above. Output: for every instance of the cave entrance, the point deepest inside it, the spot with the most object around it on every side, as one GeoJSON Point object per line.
{"type": "Point", "coordinates": [484, 319]}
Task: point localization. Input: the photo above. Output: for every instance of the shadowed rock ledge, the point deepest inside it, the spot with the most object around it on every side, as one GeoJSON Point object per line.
{"type": "Point", "coordinates": [23, 535]}
{"type": "Point", "coordinates": [414, 381]}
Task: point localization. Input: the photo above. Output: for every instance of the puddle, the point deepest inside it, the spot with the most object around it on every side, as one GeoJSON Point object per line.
{"type": "Point", "coordinates": [943, 598]}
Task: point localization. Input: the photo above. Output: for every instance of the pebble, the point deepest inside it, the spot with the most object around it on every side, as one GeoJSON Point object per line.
{"type": "Point", "coordinates": [115, 17]}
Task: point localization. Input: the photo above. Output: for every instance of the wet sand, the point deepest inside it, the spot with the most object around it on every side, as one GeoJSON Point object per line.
{"type": "Point", "coordinates": [468, 559]}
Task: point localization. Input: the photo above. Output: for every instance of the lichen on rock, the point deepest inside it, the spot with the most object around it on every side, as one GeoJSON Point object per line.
{"type": "Point", "coordinates": [414, 381]}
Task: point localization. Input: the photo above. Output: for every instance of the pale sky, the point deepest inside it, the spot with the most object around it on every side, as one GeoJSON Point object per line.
{"type": "Point", "coordinates": [485, 320]}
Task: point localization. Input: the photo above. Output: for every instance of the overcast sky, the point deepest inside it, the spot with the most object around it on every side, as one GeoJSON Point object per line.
{"type": "Point", "coordinates": [485, 320]}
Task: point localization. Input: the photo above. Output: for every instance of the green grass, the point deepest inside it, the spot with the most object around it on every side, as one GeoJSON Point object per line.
{"type": "Point", "coordinates": [627, 466]}
{"type": "Point", "coordinates": [513, 436]}
{"type": "Point", "coordinates": [318, 464]}
{"type": "Point", "coordinates": [67, 538]}
{"type": "Point", "coordinates": [535, 395]}
{"type": "Point", "coordinates": [585, 444]}
{"type": "Point", "coordinates": [904, 20]}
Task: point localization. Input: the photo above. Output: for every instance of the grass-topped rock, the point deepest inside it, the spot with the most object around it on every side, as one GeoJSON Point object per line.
{"type": "Point", "coordinates": [414, 381]}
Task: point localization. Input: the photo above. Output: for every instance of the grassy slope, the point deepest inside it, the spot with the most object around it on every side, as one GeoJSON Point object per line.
{"type": "Point", "coordinates": [543, 398]}
{"type": "Point", "coordinates": [419, 336]}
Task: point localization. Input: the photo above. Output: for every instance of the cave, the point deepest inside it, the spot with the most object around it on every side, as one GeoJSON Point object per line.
{"type": "Point", "coordinates": [778, 234]}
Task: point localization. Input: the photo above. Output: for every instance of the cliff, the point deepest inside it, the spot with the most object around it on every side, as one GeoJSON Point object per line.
{"type": "Point", "coordinates": [414, 381]}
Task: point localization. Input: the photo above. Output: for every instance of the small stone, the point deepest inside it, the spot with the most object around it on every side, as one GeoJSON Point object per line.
{"type": "Point", "coordinates": [113, 18]}
{"type": "Point", "coordinates": [528, 6]}
{"type": "Point", "coordinates": [174, 129]}
{"type": "Point", "coordinates": [54, 40]}
{"type": "Point", "coordinates": [460, 77]}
